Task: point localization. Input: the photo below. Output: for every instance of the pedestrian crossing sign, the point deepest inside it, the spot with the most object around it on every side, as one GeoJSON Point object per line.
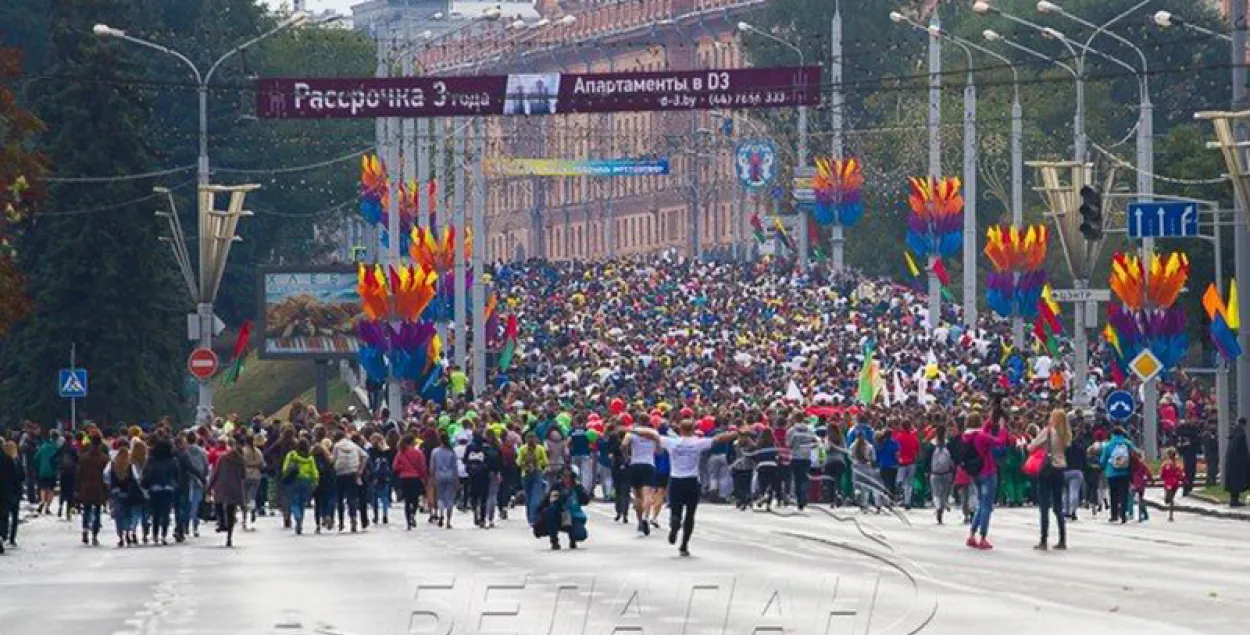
{"type": "Point", "coordinates": [73, 383]}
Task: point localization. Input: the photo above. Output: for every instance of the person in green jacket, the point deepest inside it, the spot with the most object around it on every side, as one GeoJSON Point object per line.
{"type": "Point", "coordinates": [1013, 486]}
{"type": "Point", "coordinates": [47, 467]}
{"type": "Point", "coordinates": [300, 475]}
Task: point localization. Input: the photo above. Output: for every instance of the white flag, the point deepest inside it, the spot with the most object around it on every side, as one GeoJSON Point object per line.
{"type": "Point", "coordinates": [793, 393]}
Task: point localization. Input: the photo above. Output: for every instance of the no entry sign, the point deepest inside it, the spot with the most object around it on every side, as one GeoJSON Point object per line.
{"type": "Point", "coordinates": [537, 93]}
{"type": "Point", "coordinates": [202, 364]}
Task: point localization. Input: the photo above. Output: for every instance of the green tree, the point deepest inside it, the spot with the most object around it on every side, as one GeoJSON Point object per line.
{"type": "Point", "coordinates": [98, 274]}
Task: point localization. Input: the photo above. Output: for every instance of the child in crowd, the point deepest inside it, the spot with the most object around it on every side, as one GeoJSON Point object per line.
{"type": "Point", "coordinates": [1173, 475]}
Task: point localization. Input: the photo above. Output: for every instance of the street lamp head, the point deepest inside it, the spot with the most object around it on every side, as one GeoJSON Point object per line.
{"type": "Point", "coordinates": [1165, 19]}
{"type": "Point", "coordinates": [517, 24]}
{"type": "Point", "coordinates": [1053, 34]}
{"type": "Point", "coordinates": [991, 35]}
{"type": "Point", "coordinates": [492, 13]}
{"type": "Point", "coordinates": [981, 6]}
{"type": "Point", "coordinates": [895, 17]}
{"type": "Point", "coordinates": [745, 27]}
{"type": "Point", "coordinates": [1048, 7]}
{"type": "Point", "coordinates": [437, 15]}
{"type": "Point", "coordinates": [104, 30]}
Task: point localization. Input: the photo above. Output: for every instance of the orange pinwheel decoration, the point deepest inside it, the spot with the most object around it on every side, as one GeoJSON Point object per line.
{"type": "Point", "coordinates": [1168, 275]}
{"type": "Point", "coordinates": [371, 285]}
{"type": "Point", "coordinates": [412, 288]}
{"type": "Point", "coordinates": [1010, 248]}
{"type": "Point", "coordinates": [437, 254]}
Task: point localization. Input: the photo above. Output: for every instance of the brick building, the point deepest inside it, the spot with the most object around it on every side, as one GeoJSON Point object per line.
{"type": "Point", "coordinates": [595, 217]}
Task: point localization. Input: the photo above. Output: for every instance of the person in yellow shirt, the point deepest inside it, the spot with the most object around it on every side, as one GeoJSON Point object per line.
{"type": "Point", "coordinates": [532, 459]}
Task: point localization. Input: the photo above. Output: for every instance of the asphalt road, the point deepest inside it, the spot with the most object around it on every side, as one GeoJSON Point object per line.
{"type": "Point", "coordinates": [751, 572]}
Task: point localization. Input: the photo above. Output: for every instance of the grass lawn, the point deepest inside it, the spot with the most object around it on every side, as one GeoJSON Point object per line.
{"type": "Point", "coordinates": [1213, 493]}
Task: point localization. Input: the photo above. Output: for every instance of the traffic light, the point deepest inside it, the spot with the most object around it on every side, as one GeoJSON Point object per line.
{"type": "Point", "coordinates": [1091, 213]}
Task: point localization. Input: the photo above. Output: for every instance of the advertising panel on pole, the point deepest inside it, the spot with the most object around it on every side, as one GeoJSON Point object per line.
{"type": "Point", "coordinates": [536, 93]}
{"type": "Point", "coordinates": [755, 162]}
{"type": "Point", "coordinates": [309, 312]}
{"type": "Point", "coordinates": [575, 167]}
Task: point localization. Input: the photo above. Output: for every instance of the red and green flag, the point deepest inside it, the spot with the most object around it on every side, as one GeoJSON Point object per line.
{"type": "Point", "coordinates": [240, 352]}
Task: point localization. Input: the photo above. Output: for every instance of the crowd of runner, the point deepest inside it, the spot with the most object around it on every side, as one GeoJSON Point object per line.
{"type": "Point", "coordinates": [646, 384]}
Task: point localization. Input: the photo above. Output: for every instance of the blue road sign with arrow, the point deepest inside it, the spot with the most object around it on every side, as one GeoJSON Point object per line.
{"type": "Point", "coordinates": [1120, 405]}
{"type": "Point", "coordinates": [72, 383]}
{"type": "Point", "coordinates": [1162, 219]}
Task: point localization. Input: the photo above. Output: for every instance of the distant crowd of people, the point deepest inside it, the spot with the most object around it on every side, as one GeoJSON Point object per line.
{"type": "Point", "coordinates": [654, 383]}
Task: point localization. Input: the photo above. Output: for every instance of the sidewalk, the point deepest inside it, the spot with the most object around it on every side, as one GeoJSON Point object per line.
{"type": "Point", "coordinates": [1195, 505]}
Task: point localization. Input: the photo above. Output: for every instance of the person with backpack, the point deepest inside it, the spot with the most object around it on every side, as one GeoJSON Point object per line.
{"type": "Point", "coordinates": [965, 486]}
{"type": "Point", "coordinates": [979, 462]}
{"type": "Point", "coordinates": [478, 475]}
{"type": "Point", "coordinates": [941, 472]}
{"type": "Point", "coordinates": [1053, 440]}
{"type": "Point", "coordinates": [381, 474]}
{"type": "Point", "coordinates": [1117, 464]}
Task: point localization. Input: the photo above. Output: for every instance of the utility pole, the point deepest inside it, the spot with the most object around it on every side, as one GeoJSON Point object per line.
{"type": "Point", "coordinates": [935, 154]}
{"type": "Point", "coordinates": [970, 194]}
{"type": "Point", "coordinates": [394, 388]}
{"type": "Point", "coordinates": [479, 258]}
{"type": "Point", "coordinates": [836, 103]}
{"type": "Point", "coordinates": [1241, 231]}
{"type": "Point", "coordinates": [837, 255]}
{"type": "Point", "coordinates": [461, 332]}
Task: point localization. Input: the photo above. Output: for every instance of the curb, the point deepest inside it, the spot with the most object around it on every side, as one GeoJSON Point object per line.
{"type": "Point", "coordinates": [1201, 511]}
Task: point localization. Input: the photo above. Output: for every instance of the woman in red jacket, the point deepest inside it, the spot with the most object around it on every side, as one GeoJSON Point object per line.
{"type": "Point", "coordinates": [908, 452]}
{"type": "Point", "coordinates": [410, 468]}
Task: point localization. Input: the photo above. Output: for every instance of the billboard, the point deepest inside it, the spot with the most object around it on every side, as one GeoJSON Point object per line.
{"type": "Point", "coordinates": [577, 167]}
{"type": "Point", "coordinates": [308, 312]}
{"type": "Point", "coordinates": [536, 93]}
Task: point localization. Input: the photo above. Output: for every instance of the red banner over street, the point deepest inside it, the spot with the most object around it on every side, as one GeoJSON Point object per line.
{"type": "Point", "coordinates": [537, 93]}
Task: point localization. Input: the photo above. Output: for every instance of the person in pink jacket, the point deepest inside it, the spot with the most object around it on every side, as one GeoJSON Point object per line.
{"type": "Point", "coordinates": [979, 459]}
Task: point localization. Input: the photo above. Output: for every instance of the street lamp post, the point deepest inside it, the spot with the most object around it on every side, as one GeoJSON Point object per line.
{"type": "Point", "coordinates": [1167, 19]}
{"type": "Point", "coordinates": [212, 256]}
{"type": "Point", "coordinates": [1079, 139]}
{"type": "Point", "coordinates": [1017, 154]}
{"type": "Point", "coordinates": [970, 171]}
{"type": "Point", "coordinates": [1076, 263]}
{"type": "Point", "coordinates": [1145, 167]}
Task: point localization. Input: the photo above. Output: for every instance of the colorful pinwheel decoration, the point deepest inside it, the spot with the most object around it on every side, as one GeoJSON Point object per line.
{"type": "Point", "coordinates": [1147, 316]}
{"type": "Point", "coordinates": [431, 252]}
{"type": "Point", "coordinates": [1225, 320]}
{"type": "Point", "coordinates": [373, 189]}
{"type": "Point", "coordinates": [1017, 256]}
{"type": "Point", "coordinates": [394, 339]}
{"type": "Point", "coordinates": [935, 226]}
{"type": "Point", "coordinates": [839, 190]}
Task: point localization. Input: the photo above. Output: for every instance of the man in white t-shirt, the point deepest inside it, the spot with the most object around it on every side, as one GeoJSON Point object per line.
{"type": "Point", "coordinates": [683, 487]}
